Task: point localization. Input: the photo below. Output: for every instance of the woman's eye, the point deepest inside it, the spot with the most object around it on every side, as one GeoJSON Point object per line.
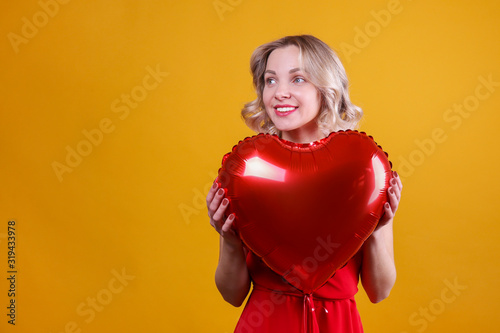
{"type": "Point", "coordinates": [299, 80]}
{"type": "Point", "coordinates": [270, 81]}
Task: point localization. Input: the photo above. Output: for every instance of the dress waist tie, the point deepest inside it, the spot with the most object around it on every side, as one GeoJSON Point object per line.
{"type": "Point", "coordinates": [309, 320]}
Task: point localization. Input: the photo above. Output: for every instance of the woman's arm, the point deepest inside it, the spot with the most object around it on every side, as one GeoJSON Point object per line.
{"type": "Point", "coordinates": [231, 277]}
{"type": "Point", "coordinates": [378, 270]}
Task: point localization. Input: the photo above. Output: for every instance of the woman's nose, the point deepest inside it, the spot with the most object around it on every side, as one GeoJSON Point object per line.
{"type": "Point", "coordinates": [282, 92]}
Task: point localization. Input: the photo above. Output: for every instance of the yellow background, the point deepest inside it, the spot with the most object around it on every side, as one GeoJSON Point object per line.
{"type": "Point", "coordinates": [134, 204]}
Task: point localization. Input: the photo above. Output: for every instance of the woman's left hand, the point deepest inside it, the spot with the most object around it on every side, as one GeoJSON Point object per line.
{"type": "Point", "coordinates": [394, 196]}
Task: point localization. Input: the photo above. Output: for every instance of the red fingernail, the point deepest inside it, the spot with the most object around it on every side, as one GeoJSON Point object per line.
{"type": "Point", "coordinates": [225, 201]}
{"type": "Point", "coordinates": [395, 174]}
{"type": "Point", "coordinates": [214, 186]}
{"type": "Point", "coordinates": [220, 192]}
{"type": "Point", "coordinates": [231, 217]}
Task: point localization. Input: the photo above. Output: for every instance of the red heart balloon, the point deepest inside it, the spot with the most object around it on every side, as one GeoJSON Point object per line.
{"type": "Point", "coordinates": [306, 209]}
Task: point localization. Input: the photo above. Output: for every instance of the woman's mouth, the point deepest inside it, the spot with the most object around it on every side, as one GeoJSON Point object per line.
{"type": "Point", "coordinates": [284, 110]}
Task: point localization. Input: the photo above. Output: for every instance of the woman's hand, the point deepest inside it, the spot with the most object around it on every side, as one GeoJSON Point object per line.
{"type": "Point", "coordinates": [217, 205]}
{"type": "Point", "coordinates": [231, 276]}
{"type": "Point", "coordinates": [378, 271]}
{"type": "Point", "coordinates": [394, 196]}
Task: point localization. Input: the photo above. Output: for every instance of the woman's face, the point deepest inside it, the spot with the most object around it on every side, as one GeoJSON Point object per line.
{"type": "Point", "coordinates": [291, 101]}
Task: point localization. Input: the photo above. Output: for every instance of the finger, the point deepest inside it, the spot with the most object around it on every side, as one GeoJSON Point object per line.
{"type": "Point", "coordinates": [396, 184]}
{"type": "Point", "coordinates": [211, 193]}
{"type": "Point", "coordinates": [228, 224]}
{"type": "Point", "coordinates": [389, 214]}
{"type": "Point", "coordinates": [219, 213]}
{"type": "Point", "coordinates": [216, 201]}
{"type": "Point", "coordinates": [397, 179]}
{"type": "Point", "coordinates": [395, 189]}
{"type": "Point", "coordinates": [393, 200]}
{"type": "Point", "coordinates": [215, 225]}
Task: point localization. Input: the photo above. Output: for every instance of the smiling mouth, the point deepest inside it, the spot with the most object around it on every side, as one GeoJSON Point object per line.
{"type": "Point", "coordinates": [285, 109]}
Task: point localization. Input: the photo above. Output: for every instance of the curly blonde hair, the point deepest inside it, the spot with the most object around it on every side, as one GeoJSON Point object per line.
{"type": "Point", "coordinates": [325, 71]}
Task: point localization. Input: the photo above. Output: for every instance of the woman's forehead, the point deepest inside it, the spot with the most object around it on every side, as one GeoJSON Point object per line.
{"type": "Point", "coordinates": [286, 59]}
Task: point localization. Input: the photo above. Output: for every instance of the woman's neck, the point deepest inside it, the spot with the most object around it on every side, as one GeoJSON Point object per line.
{"type": "Point", "coordinates": [303, 135]}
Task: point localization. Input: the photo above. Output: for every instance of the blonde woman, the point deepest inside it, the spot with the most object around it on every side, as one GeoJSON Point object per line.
{"type": "Point", "coordinates": [302, 96]}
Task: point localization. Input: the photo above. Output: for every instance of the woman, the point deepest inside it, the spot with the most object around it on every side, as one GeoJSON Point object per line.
{"type": "Point", "coordinates": [302, 96]}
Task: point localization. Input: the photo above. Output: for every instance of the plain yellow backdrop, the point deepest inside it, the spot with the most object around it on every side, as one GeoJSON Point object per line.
{"type": "Point", "coordinates": [115, 115]}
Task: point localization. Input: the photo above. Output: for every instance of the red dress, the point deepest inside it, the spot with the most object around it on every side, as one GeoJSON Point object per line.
{"type": "Point", "coordinates": [275, 306]}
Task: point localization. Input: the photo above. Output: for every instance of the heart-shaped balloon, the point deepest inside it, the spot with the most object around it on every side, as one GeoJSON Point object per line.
{"type": "Point", "coordinates": [306, 209]}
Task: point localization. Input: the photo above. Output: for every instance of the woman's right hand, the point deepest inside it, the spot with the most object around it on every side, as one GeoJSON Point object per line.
{"type": "Point", "coordinates": [217, 205]}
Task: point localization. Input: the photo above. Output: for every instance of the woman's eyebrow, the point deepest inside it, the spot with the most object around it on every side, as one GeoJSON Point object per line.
{"type": "Point", "coordinates": [293, 70]}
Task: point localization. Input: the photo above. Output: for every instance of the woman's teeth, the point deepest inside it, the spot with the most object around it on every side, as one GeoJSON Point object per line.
{"type": "Point", "coordinates": [287, 109]}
